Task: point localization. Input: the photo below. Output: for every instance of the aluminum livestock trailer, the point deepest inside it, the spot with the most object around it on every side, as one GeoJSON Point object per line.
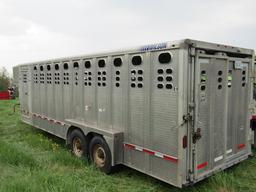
{"type": "Point", "coordinates": [177, 111]}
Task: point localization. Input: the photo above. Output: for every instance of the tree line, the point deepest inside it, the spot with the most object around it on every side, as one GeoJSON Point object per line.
{"type": "Point", "coordinates": [5, 80]}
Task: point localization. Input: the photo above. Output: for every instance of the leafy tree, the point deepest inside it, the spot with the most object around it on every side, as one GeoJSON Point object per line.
{"type": "Point", "coordinates": [4, 79]}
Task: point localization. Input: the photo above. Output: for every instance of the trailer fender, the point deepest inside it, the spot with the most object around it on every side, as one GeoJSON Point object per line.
{"type": "Point", "coordinates": [116, 147]}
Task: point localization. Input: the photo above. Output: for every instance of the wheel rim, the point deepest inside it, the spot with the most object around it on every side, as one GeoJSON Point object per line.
{"type": "Point", "coordinates": [99, 155]}
{"type": "Point", "coordinates": [77, 147]}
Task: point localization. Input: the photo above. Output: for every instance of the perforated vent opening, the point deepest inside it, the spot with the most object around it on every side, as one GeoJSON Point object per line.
{"type": "Point", "coordinates": [87, 64]}
{"type": "Point", "coordinates": [243, 78]}
{"type": "Point", "coordinates": [117, 62]}
{"type": "Point", "coordinates": [35, 78]}
{"type": "Point", "coordinates": [41, 78]}
{"type": "Point", "coordinates": [66, 78]}
{"type": "Point", "coordinates": [169, 71]}
{"type": "Point", "coordinates": [164, 58]}
{"type": "Point", "coordinates": [76, 65]}
{"type": "Point", "coordinates": [102, 78]}
{"type": "Point", "coordinates": [101, 63]}
{"type": "Point", "coordinates": [65, 66]}
{"type": "Point", "coordinates": [137, 78]}
{"type": "Point", "coordinates": [56, 66]}
{"type": "Point", "coordinates": [164, 78]}
{"type": "Point", "coordinates": [136, 60]}
{"type": "Point", "coordinates": [160, 71]}
{"type": "Point", "coordinates": [219, 79]}
{"type": "Point", "coordinates": [49, 78]}
{"type": "Point", "coordinates": [160, 86]}
{"type": "Point", "coordinates": [203, 87]}
{"type": "Point", "coordinates": [169, 86]}
{"type": "Point", "coordinates": [76, 77]}
{"type": "Point", "coordinates": [57, 78]}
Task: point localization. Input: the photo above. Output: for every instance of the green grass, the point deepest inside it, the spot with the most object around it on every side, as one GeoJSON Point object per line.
{"type": "Point", "coordinates": [31, 160]}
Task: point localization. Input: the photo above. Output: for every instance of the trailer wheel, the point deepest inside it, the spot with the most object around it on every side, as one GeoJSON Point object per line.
{"type": "Point", "coordinates": [100, 154]}
{"type": "Point", "coordinates": [79, 143]}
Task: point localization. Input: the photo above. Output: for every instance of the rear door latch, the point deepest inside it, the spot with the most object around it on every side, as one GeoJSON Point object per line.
{"type": "Point", "coordinates": [187, 117]}
{"type": "Point", "coordinates": [196, 135]}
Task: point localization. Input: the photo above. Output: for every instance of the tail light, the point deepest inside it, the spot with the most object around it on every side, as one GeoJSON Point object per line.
{"type": "Point", "coordinates": [185, 142]}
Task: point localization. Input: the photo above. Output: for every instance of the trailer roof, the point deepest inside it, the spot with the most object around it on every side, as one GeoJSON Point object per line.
{"type": "Point", "coordinates": [152, 47]}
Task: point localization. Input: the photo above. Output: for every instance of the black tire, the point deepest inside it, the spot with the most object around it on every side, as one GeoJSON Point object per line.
{"type": "Point", "coordinates": [78, 143]}
{"type": "Point", "coordinates": [100, 154]}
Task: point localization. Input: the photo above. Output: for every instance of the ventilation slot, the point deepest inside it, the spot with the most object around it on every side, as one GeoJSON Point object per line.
{"type": "Point", "coordinates": [57, 77]}
{"type": "Point", "coordinates": [102, 78]}
{"type": "Point", "coordinates": [164, 78]}
{"type": "Point", "coordinates": [66, 78]}
{"type": "Point", "coordinates": [87, 78]}
{"type": "Point", "coordinates": [49, 78]}
{"type": "Point", "coordinates": [137, 78]}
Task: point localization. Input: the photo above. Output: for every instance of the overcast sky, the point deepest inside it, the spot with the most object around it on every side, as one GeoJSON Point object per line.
{"type": "Point", "coordinates": [33, 30]}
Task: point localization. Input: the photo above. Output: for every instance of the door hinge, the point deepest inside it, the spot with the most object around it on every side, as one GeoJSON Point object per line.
{"type": "Point", "coordinates": [190, 175]}
{"type": "Point", "coordinates": [192, 51]}
{"type": "Point", "coordinates": [196, 135]}
{"type": "Point", "coordinates": [191, 105]}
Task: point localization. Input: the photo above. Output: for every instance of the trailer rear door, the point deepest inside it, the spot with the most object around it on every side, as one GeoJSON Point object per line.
{"type": "Point", "coordinates": [221, 113]}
